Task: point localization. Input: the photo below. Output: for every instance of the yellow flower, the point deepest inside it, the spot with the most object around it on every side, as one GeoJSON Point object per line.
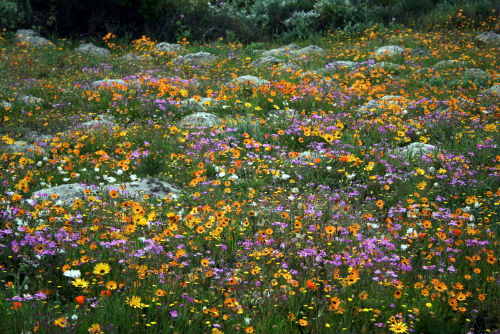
{"type": "Point", "coordinates": [102, 269]}
{"type": "Point", "coordinates": [135, 302]}
{"type": "Point", "coordinates": [490, 128]}
{"type": "Point", "coordinates": [8, 140]}
{"type": "Point", "coordinates": [303, 322]}
{"type": "Point", "coordinates": [80, 283]}
{"type": "Point", "coordinates": [398, 327]}
{"type": "Point", "coordinates": [111, 285]}
{"type": "Point", "coordinates": [61, 322]}
{"type": "Point", "coordinates": [95, 329]}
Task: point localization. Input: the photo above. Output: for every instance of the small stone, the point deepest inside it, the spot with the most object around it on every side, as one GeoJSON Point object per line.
{"type": "Point", "coordinates": [281, 51]}
{"type": "Point", "coordinates": [420, 52]}
{"type": "Point", "coordinates": [200, 104]}
{"type": "Point", "coordinates": [390, 50]}
{"type": "Point", "coordinates": [23, 34]}
{"type": "Point", "coordinates": [415, 149]}
{"type": "Point", "coordinates": [450, 63]}
{"type": "Point", "coordinates": [167, 47]}
{"type": "Point", "coordinates": [32, 38]}
{"type": "Point", "coordinates": [277, 115]}
{"type": "Point", "coordinates": [266, 61]}
{"type": "Point", "coordinates": [388, 66]}
{"type": "Point", "coordinates": [110, 82]}
{"type": "Point", "coordinates": [198, 58]}
{"type": "Point", "coordinates": [91, 49]}
{"type": "Point", "coordinates": [341, 64]}
{"type": "Point", "coordinates": [148, 186]}
{"type": "Point", "coordinates": [21, 146]}
{"type": "Point", "coordinates": [495, 90]}
{"type": "Point", "coordinates": [100, 121]}
{"type": "Point", "coordinates": [309, 50]}
{"type": "Point", "coordinates": [290, 67]}
{"type": "Point", "coordinates": [388, 101]}
{"type": "Point", "coordinates": [310, 156]}
{"type": "Point", "coordinates": [476, 74]}
{"type": "Point", "coordinates": [251, 80]}
{"type": "Point", "coordinates": [28, 99]}
{"type": "Point", "coordinates": [65, 192]}
{"type": "Point", "coordinates": [201, 119]}
{"type": "Point", "coordinates": [489, 37]}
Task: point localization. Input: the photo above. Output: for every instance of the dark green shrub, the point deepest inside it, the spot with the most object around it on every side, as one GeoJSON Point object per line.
{"type": "Point", "coordinates": [13, 13]}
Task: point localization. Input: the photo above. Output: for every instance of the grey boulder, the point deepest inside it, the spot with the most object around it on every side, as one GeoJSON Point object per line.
{"type": "Point", "coordinates": [488, 37]}
{"type": "Point", "coordinates": [198, 58]}
{"type": "Point", "coordinates": [390, 50]}
{"type": "Point", "coordinates": [201, 119]}
{"type": "Point", "coordinates": [91, 49]}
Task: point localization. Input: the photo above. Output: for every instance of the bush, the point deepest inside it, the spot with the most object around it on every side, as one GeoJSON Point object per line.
{"type": "Point", "coordinates": [335, 14]}
{"type": "Point", "coordinates": [13, 13]}
{"type": "Point", "coordinates": [242, 20]}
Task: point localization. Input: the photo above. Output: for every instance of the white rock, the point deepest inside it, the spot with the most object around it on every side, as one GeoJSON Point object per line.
{"type": "Point", "coordinates": [21, 146]}
{"type": "Point", "coordinates": [91, 49]}
{"type": "Point", "coordinates": [30, 99]}
{"type": "Point", "coordinates": [32, 38]}
{"type": "Point", "coordinates": [450, 63]}
{"type": "Point", "coordinates": [109, 82]}
{"type": "Point", "coordinates": [340, 64]}
{"type": "Point", "coordinates": [202, 104]}
{"type": "Point", "coordinates": [495, 89]}
{"type": "Point", "coordinates": [476, 74]}
{"type": "Point", "coordinates": [415, 149]}
{"type": "Point", "coordinates": [284, 50]}
{"type": "Point", "coordinates": [309, 156]}
{"type": "Point", "coordinates": [198, 58]}
{"type": "Point", "coordinates": [266, 61]}
{"type": "Point", "coordinates": [308, 50]}
{"type": "Point", "coordinates": [383, 103]}
{"type": "Point", "coordinates": [388, 66]}
{"type": "Point", "coordinates": [251, 80]}
{"type": "Point", "coordinates": [22, 34]}
{"type": "Point", "coordinates": [488, 37]}
{"type": "Point", "coordinates": [390, 50]}
{"type": "Point", "coordinates": [66, 192]}
{"type": "Point", "coordinates": [167, 47]}
{"type": "Point", "coordinates": [201, 119]}
{"type": "Point", "coordinates": [149, 186]}
{"type": "Point", "coordinates": [99, 121]}
{"type": "Point", "coordinates": [290, 67]}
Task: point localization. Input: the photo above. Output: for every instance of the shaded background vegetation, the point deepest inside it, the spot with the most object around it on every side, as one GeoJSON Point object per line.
{"type": "Point", "coordinates": [242, 20]}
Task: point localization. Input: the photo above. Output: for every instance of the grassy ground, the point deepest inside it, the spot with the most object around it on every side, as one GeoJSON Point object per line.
{"type": "Point", "coordinates": [354, 239]}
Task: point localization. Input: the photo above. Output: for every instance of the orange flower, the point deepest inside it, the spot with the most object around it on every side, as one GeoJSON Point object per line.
{"type": "Point", "coordinates": [80, 300]}
{"type": "Point", "coordinates": [335, 303]}
{"type": "Point", "coordinates": [330, 229]}
{"type": "Point", "coordinates": [16, 305]}
{"type": "Point", "coordinates": [311, 285]}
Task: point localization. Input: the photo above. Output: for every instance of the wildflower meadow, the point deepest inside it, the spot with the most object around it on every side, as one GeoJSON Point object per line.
{"type": "Point", "coordinates": [349, 183]}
